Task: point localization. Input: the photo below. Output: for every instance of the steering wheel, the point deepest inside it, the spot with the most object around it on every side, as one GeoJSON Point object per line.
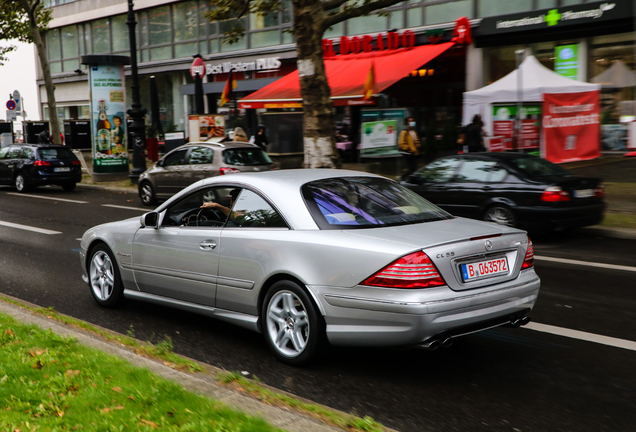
{"type": "Point", "coordinates": [214, 216]}
{"type": "Point", "coordinates": [192, 217]}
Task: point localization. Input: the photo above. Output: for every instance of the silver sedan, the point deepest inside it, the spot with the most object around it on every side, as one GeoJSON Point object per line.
{"type": "Point", "coordinates": [310, 257]}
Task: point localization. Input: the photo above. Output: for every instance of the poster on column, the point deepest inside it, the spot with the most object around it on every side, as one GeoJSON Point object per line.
{"type": "Point", "coordinates": [570, 126]}
{"type": "Point", "coordinates": [108, 118]}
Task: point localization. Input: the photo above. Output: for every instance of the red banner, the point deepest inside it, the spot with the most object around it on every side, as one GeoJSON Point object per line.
{"type": "Point", "coordinates": [571, 126]}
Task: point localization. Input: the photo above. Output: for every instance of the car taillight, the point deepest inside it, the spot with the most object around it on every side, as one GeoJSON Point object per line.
{"type": "Point", "coordinates": [415, 270]}
{"type": "Point", "coordinates": [42, 163]}
{"type": "Point", "coordinates": [226, 170]}
{"type": "Point", "coordinates": [76, 162]}
{"type": "Point", "coordinates": [555, 194]}
{"type": "Point", "coordinates": [528, 260]}
{"type": "Point", "coordinates": [599, 192]}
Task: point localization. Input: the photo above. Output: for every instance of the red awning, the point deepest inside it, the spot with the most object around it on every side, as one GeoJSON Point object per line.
{"type": "Point", "coordinates": [346, 76]}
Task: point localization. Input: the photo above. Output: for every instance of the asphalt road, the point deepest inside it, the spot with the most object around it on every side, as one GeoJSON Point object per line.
{"type": "Point", "coordinates": [498, 380]}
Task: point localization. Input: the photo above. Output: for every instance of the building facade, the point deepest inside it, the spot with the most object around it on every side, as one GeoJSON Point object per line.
{"type": "Point", "coordinates": [170, 33]}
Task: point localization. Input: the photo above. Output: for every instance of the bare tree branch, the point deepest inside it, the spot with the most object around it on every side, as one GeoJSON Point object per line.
{"type": "Point", "coordinates": [357, 11]}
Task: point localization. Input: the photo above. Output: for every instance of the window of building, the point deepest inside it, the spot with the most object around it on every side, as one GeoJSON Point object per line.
{"type": "Point", "coordinates": [545, 4]}
{"type": "Point", "coordinates": [101, 36]}
{"type": "Point", "coordinates": [367, 24]}
{"type": "Point", "coordinates": [185, 21]}
{"type": "Point", "coordinates": [121, 42]}
{"type": "Point", "coordinates": [53, 43]}
{"type": "Point", "coordinates": [503, 7]}
{"type": "Point", "coordinates": [159, 25]}
{"type": "Point", "coordinates": [448, 12]}
{"type": "Point", "coordinates": [499, 62]}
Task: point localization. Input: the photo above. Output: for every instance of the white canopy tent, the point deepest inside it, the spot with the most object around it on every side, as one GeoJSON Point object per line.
{"type": "Point", "coordinates": [616, 76]}
{"type": "Point", "coordinates": [536, 80]}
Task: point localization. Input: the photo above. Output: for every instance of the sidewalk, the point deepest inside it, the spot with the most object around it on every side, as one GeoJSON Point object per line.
{"type": "Point", "coordinates": [200, 383]}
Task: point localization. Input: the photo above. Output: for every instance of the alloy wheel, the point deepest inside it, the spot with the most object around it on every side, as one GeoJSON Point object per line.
{"type": "Point", "coordinates": [287, 323]}
{"type": "Point", "coordinates": [147, 194]}
{"type": "Point", "coordinates": [102, 275]}
{"type": "Point", "coordinates": [19, 183]}
{"type": "Point", "coordinates": [501, 216]}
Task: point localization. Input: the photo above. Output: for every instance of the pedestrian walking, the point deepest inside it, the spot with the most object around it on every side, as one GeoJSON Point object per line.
{"type": "Point", "coordinates": [474, 135]}
{"type": "Point", "coordinates": [261, 138]}
{"type": "Point", "coordinates": [409, 145]}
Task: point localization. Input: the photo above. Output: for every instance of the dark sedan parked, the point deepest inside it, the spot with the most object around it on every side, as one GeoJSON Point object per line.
{"type": "Point", "coordinates": [511, 189]}
{"type": "Point", "coordinates": [27, 165]}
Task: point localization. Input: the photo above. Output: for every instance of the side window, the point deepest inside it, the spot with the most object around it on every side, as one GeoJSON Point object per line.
{"type": "Point", "coordinates": [252, 211]}
{"type": "Point", "coordinates": [476, 171]}
{"type": "Point", "coordinates": [176, 158]}
{"type": "Point", "coordinates": [439, 171]}
{"type": "Point", "coordinates": [15, 153]}
{"type": "Point", "coordinates": [29, 153]}
{"type": "Point", "coordinates": [201, 155]}
{"type": "Point", "coordinates": [4, 152]}
{"type": "Point", "coordinates": [498, 174]}
{"type": "Point", "coordinates": [189, 212]}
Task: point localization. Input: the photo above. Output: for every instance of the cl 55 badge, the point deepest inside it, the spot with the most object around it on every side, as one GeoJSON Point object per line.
{"type": "Point", "coordinates": [445, 255]}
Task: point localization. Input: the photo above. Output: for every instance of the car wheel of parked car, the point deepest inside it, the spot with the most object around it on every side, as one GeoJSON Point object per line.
{"type": "Point", "coordinates": [69, 187]}
{"type": "Point", "coordinates": [104, 278]}
{"type": "Point", "coordinates": [292, 326]}
{"type": "Point", "coordinates": [19, 183]}
{"type": "Point", "coordinates": [147, 194]}
{"type": "Point", "coordinates": [500, 214]}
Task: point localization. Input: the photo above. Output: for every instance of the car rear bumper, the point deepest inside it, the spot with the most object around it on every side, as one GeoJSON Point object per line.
{"type": "Point", "coordinates": [357, 317]}
{"type": "Point", "coordinates": [560, 218]}
{"type": "Point", "coordinates": [54, 179]}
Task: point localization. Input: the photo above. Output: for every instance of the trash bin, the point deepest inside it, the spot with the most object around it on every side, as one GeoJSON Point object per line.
{"type": "Point", "coordinates": [152, 149]}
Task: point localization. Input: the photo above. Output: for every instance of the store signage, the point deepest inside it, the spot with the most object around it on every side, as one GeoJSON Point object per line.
{"type": "Point", "coordinates": [504, 118]}
{"type": "Point", "coordinates": [267, 64]}
{"type": "Point", "coordinates": [378, 134]}
{"type": "Point", "coordinates": [571, 126]}
{"type": "Point", "coordinates": [462, 33]}
{"type": "Point", "coordinates": [587, 13]}
{"type": "Point", "coordinates": [566, 61]}
{"type": "Point", "coordinates": [368, 43]}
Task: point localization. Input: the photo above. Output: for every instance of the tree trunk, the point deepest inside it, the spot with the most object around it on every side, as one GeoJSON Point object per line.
{"type": "Point", "coordinates": [318, 128]}
{"type": "Point", "coordinates": [46, 71]}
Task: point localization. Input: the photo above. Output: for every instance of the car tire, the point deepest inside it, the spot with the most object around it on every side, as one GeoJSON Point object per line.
{"type": "Point", "coordinates": [19, 183]}
{"type": "Point", "coordinates": [147, 194]}
{"type": "Point", "coordinates": [501, 215]}
{"type": "Point", "coordinates": [104, 278]}
{"type": "Point", "coordinates": [69, 187]}
{"type": "Point", "coordinates": [293, 328]}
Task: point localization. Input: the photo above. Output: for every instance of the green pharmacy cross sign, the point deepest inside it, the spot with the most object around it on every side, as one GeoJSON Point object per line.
{"type": "Point", "coordinates": [553, 17]}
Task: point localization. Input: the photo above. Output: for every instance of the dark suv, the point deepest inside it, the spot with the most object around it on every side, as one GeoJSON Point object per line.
{"type": "Point", "coordinates": [27, 165]}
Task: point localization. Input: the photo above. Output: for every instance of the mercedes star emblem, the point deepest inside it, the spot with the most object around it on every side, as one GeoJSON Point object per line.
{"type": "Point", "coordinates": [488, 245]}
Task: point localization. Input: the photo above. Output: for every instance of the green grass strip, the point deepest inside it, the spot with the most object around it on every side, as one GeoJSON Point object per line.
{"type": "Point", "coordinates": [52, 383]}
{"type": "Point", "coordinates": [251, 387]}
{"type": "Point", "coordinates": [615, 220]}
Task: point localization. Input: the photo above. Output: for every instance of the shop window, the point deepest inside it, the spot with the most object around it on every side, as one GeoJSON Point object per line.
{"type": "Point", "coordinates": [396, 19]}
{"type": "Point", "coordinates": [545, 4]}
{"type": "Point", "coordinates": [88, 41]}
{"type": "Point", "coordinates": [366, 24]}
{"type": "Point", "coordinates": [544, 52]}
{"type": "Point", "coordinates": [414, 17]}
{"type": "Point", "coordinates": [500, 62]}
{"type": "Point", "coordinates": [185, 21]}
{"type": "Point", "coordinates": [69, 42]}
{"type": "Point", "coordinates": [101, 36]}
{"type": "Point", "coordinates": [448, 12]}
{"type": "Point", "coordinates": [70, 65]}
{"type": "Point", "coordinates": [266, 38]}
{"type": "Point", "coordinates": [53, 42]}
{"type": "Point", "coordinates": [334, 31]}
{"type": "Point", "coordinates": [503, 7]}
{"type": "Point", "coordinates": [120, 33]}
{"type": "Point", "coordinates": [159, 26]}
{"type": "Point", "coordinates": [571, 2]}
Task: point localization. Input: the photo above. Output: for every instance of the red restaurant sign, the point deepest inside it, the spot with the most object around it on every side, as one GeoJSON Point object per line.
{"type": "Point", "coordinates": [571, 126]}
{"type": "Point", "coordinates": [369, 43]}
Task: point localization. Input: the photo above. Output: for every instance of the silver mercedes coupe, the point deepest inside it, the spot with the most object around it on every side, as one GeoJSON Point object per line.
{"type": "Point", "coordinates": [310, 257]}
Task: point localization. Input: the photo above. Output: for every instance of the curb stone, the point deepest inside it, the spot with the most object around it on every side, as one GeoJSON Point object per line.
{"type": "Point", "coordinates": [203, 384]}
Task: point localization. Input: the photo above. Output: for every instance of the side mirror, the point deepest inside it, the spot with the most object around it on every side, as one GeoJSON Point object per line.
{"type": "Point", "coordinates": [160, 162]}
{"type": "Point", "coordinates": [149, 220]}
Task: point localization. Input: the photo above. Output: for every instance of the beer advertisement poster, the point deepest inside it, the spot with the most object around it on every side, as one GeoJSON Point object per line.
{"type": "Point", "coordinates": [108, 118]}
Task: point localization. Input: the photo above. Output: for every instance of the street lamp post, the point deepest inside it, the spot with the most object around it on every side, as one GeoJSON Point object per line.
{"type": "Point", "coordinates": [137, 114]}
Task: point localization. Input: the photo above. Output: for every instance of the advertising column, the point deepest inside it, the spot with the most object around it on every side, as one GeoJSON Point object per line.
{"type": "Point", "coordinates": [108, 116]}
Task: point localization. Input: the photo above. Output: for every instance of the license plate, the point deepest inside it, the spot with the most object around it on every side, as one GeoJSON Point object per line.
{"type": "Point", "coordinates": [583, 193]}
{"type": "Point", "coordinates": [62, 169]}
{"type": "Point", "coordinates": [483, 269]}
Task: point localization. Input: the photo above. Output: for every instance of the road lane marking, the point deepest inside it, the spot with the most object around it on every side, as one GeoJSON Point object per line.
{"type": "Point", "coordinates": [145, 210]}
{"type": "Point", "coordinates": [576, 334]}
{"type": "Point", "coordinates": [586, 263]}
{"type": "Point", "coordinates": [29, 228]}
{"type": "Point", "coordinates": [48, 198]}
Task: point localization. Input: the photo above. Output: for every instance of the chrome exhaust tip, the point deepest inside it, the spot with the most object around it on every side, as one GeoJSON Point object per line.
{"type": "Point", "coordinates": [431, 345]}
{"type": "Point", "coordinates": [525, 320]}
{"type": "Point", "coordinates": [447, 342]}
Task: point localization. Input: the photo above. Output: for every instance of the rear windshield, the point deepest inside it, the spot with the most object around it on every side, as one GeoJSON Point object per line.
{"type": "Point", "coordinates": [55, 153]}
{"type": "Point", "coordinates": [537, 167]}
{"type": "Point", "coordinates": [246, 157]}
{"type": "Point", "coordinates": [366, 202]}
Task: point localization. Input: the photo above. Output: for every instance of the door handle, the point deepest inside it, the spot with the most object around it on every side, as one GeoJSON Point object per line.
{"type": "Point", "coordinates": [207, 244]}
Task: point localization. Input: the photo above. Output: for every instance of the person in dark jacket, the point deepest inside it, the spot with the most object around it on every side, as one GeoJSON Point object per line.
{"type": "Point", "coordinates": [261, 138]}
{"type": "Point", "coordinates": [43, 137]}
{"type": "Point", "coordinates": [474, 135]}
